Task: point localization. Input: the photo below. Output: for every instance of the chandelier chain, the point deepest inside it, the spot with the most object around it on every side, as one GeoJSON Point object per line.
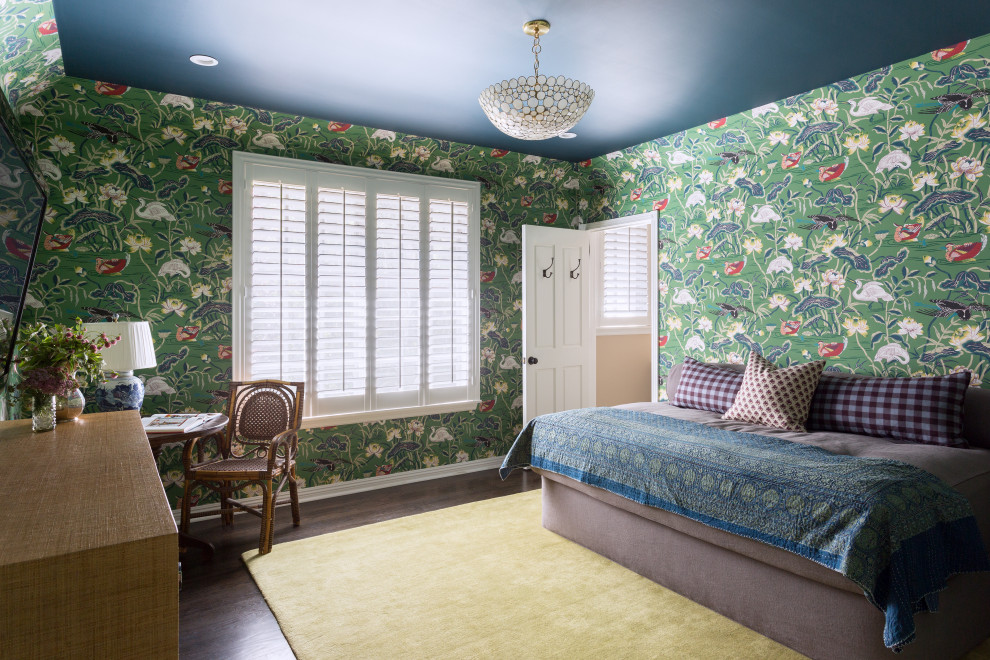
{"type": "Point", "coordinates": [536, 52]}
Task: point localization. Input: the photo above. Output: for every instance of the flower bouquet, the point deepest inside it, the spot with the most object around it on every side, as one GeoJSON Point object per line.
{"type": "Point", "coordinates": [55, 361]}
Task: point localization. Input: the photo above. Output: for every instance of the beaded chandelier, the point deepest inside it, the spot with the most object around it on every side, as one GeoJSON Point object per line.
{"type": "Point", "coordinates": [536, 107]}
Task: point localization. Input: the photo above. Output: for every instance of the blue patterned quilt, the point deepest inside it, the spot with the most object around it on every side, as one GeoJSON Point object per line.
{"type": "Point", "coordinates": [894, 529]}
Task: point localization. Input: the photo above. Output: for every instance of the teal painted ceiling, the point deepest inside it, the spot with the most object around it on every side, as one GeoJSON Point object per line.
{"type": "Point", "coordinates": [417, 66]}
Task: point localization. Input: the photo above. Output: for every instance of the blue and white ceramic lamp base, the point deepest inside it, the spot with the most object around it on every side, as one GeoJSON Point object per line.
{"type": "Point", "coordinates": [125, 392]}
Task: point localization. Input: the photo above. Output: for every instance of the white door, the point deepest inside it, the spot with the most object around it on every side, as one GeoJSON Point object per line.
{"type": "Point", "coordinates": [558, 338]}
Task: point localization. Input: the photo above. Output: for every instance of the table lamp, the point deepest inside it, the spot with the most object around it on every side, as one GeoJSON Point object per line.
{"type": "Point", "coordinates": [135, 350]}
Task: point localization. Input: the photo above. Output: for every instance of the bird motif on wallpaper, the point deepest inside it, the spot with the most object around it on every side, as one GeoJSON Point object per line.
{"type": "Point", "coordinates": [111, 266]}
{"type": "Point", "coordinates": [831, 221]}
{"type": "Point", "coordinates": [895, 159]}
{"type": "Point", "coordinates": [907, 232]}
{"type": "Point", "coordinates": [948, 308]}
{"type": "Point", "coordinates": [98, 132]}
{"type": "Point", "coordinates": [831, 349]}
{"type": "Point", "coordinates": [733, 268]}
{"type": "Point", "coordinates": [174, 267]}
{"type": "Point", "coordinates": [961, 100]}
{"type": "Point", "coordinates": [267, 140]}
{"type": "Point", "coordinates": [765, 109]}
{"type": "Point", "coordinates": [156, 385]}
{"type": "Point", "coordinates": [10, 177]}
{"type": "Point", "coordinates": [696, 198]}
{"type": "Point", "coordinates": [765, 213]}
{"type": "Point", "coordinates": [965, 251]}
{"type": "Point", "coordinates": [683, 297]}
{"type": "Point", "coordinates": [828, 173]}
{"type": "Point", "coordinates": [153, 211]}
{"type": "Point", "coordinates": [57, 242]}
{"type": "Point", "coordinates": [892, 353]}
{"type": "Point", "coordinates": [866, 106]}
{"type": "Point", "coordinates": [728, 309]}
{"type": "Point", "coordinates": [177, 101]}
{"type": "Point", "coordinates": [734, 156]}
{"type": "Point", "coordinates": [780, 264]}
{"type": "Point", "coordinates": [871, 292]}
{"type": "Point", "coordinates": [97, 314]}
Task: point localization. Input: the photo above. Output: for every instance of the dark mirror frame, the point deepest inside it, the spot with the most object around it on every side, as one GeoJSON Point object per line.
{"type": "Point", "coordinates": [14, 147]}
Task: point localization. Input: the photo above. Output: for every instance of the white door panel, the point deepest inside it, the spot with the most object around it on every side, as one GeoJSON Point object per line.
{"type": "Point", "coordinates": [557, 321]}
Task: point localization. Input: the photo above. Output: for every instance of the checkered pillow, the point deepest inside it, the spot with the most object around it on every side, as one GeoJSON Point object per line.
{"type": "Point", "coordinates": [924, 410]}
{"type": "Point", "coordinates": [706, 387]}
{"type": "Point", "coordinates": [775, 397]}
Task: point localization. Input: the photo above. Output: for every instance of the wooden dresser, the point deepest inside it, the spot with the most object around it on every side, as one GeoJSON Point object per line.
{"type": "Point", "coordinates": [88, 546]}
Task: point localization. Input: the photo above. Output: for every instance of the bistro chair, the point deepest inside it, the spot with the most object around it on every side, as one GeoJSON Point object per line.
{"type": "Point", "coordinates": [258, 448]}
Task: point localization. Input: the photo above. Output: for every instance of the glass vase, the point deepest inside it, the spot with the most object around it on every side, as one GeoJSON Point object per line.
{"type": "Point", "coordinates": [43, 412]}
{"type": "Point", "coordinates": [69, 407]}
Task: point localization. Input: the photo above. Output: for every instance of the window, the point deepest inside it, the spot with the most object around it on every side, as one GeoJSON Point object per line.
{"type": "Point", "coordinates": [363, 284]}
{"type": "Point", "coordinates": [625, 273]}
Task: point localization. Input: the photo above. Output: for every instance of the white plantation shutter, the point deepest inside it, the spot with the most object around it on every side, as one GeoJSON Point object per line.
{"type": "Point", "coordinates": [449, 309]}
{"type": "Point", "coordinates": [625, 292]}
{"type": "Point", "coordinates": [341, 316]}
{"type": "Point", "coordinates": [277, 324]}
{"type": "Point", "coordinates": [398, 313]}
{"type": "Point", "coordinates": [362, 283]}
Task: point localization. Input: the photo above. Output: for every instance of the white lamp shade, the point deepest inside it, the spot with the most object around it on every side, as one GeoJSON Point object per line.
{"type": "Point", "coordinates": [135, 350]}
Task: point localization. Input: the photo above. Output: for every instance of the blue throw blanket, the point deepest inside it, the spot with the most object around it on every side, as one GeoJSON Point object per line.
{"type": "Point", "coordinates": [895, 530]}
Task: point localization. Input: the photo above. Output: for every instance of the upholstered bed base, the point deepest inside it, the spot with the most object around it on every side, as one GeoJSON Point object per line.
{"type": "Point", "coordinates": [817, 619]}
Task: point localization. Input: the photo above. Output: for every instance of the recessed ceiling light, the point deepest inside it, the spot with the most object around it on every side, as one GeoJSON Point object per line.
{"type": "Point", "coordinates": [567, 136]}
{"type": "Point", "coordinates": [204, 60]}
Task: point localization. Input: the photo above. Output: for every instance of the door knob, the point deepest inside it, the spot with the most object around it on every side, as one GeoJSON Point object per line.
{"type": "Point", "coordinates": [531, 360]}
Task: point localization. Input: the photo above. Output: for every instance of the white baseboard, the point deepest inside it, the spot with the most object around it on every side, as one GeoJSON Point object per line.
{"type": "Point", "coordinates": [325, 491]}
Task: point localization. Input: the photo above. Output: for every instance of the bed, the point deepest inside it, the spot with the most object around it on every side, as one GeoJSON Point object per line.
{"type": "Point", "coordinates": [788, 597]}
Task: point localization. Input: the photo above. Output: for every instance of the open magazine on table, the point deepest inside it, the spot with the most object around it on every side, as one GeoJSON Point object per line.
{"type": "Point", "coordinates": [176, 422]}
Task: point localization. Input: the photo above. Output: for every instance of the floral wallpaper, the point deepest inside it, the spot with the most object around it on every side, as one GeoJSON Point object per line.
{"type": "Point", "coordinates": [848, 223]}
{"type": "Point", "coordinates": [140, 223]}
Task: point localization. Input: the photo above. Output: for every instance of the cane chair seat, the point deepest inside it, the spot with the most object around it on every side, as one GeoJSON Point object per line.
{"type": "Point", "coordinates": [259, 465]}
{"type": "Point", "coordinates": [265, 417]}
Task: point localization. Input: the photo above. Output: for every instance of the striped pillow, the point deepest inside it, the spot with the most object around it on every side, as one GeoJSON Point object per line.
{"type": "Point", "coordinates": [923, 410]}
{"type": "Point", "coordinates": [775, 397]}
{"type": "Point", "coordinates": [706, 387]}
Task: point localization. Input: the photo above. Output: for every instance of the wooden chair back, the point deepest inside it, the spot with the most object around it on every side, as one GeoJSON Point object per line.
{"type": "Point", "coordinates": [259, 410]}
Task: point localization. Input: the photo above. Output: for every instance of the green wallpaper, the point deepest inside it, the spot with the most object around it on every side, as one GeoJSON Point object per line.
{"type": "Point", "coordinates": [849, 222]}
{"type": "Point", "coordinates": [140, 224]}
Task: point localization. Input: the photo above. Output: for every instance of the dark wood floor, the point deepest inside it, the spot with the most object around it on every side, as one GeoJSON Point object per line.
{"type": "Point", "coordinates": [222, 615]}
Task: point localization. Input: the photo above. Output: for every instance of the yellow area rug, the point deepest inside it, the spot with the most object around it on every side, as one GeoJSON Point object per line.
{"type": "Point", "coordinates": [482, 580]}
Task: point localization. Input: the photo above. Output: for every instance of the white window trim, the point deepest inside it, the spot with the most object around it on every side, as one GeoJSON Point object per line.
{"type": "Point", "coordinates": [617, 326]}
{"type": "Point", "coordinates": [650, 218]}
{"type": "Point", "coordinates": [241, 242]}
